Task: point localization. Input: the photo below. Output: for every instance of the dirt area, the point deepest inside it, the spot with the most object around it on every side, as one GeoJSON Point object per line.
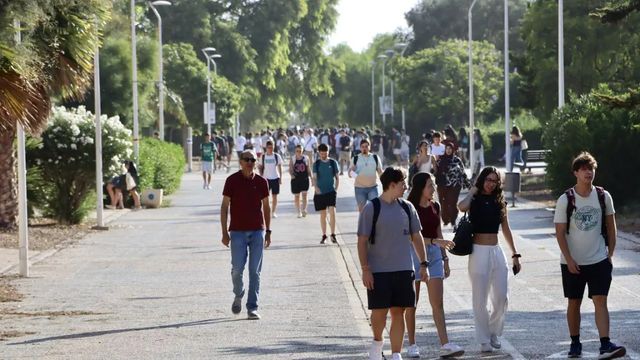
{"type": "Point", "coordinates": [8, 292]}
{"type": "Point", "coordinates": [6, 335]}
{"type": "Point", "coordinates": [44, 234]}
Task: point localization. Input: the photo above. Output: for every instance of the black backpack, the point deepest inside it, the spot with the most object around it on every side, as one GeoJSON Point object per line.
{"type": "Point", "coordinates": [376, 213]}
{"type": "Point", "coordinates": [345, 143]}
{"type": "Point", "coordinates": [571, 207]}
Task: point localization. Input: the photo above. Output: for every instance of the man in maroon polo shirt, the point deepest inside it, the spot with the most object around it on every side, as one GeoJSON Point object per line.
{"type": "Point", "coordinates": [247, 193]}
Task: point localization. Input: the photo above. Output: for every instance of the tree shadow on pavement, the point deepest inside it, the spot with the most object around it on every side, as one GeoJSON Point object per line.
{"type": "Point", "coordinates": [90, 334]}
{"type": "Point", "coordinates": [339, 347]}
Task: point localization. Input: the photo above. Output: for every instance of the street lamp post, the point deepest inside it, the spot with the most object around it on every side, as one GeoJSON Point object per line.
{"type": "Point", "coordinates": [390, 53]}
{"type": "Point", "coordinates": [98, 142]}
{"type": "Point", "coordinates": [23, 224]}
{"type": "Point", "coordinates": [471, 104]}
{"type": "Point", "coordinates": [373, 95]}
{"type": "Point", "coordinates": [134, 80]}
{"type": "Point", "coordinates": [153, 5]}
{"type": "Point", "coordinates": [402, 46]}
{"type": "Point", "coordinates": [208, 54]}
{"type": "Point", "coordinates": [507, 115]}
{"type": "Point", "coordinates": [560, 54]}
{"type": "Point", "coordinates": [383, 102]}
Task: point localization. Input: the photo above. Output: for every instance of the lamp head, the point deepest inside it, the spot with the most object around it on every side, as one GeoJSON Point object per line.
{"type": "Point", "coordinates": [209, 49]}
{"type": "Point", "coordinates": [390, 53]}
{"type": "Point", "coordinates": [215, 56]}
{"type": "Point", "coordinates": [160, 3]}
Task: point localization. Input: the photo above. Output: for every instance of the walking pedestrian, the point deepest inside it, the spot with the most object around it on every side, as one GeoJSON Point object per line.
{"type": "Point", "coordinates": [271, 169]}
{"type": "Point", "coordinates": [326, 181]}
{"type": "Point", "coordinates": [586, 233]}
{"type": "Point", "coordinates": [300, 171]}
{"type": "Point", "coordinates": [450, 178]}
{"type": "Point", "coordinates": [241, 141]}
{"type": "Point", "coordinates": [387, 229]}
{"type": "Point", "coordinates": [208, 151]}
{"type": "Point", "coordinates": [368, 168]}
{"type": "Point", "coordinates": [345, 149]}
{"type": "Point", "coordinates": [478, 153]}
{"type": "Point", "coordinates": [421, 196]}
{"type": "Point", "coordinates": [246, 194]}
{"type": "Point", "coordinates": [437, 147]}
{"type": "Point", "coordinates": [516, 145]}
{"type": "Point", "coordinates": [488, 269]}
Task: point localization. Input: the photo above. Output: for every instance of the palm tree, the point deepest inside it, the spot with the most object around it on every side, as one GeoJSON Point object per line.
{"type": "Point", "coordinates": [54, 59]}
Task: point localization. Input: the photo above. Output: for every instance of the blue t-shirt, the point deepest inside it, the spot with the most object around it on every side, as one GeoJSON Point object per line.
{"type": "Point", "coordinates": [325, 173]}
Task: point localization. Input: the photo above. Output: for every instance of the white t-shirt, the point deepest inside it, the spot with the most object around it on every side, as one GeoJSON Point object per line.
{"type": "Point", "coordinates": [241, 141]}
{"type": "Point", "coordinates": [404, 145]}
{"type": "Point", "coordinates": [257, 144]}
{"type": "Point", "coordinates": [367, 170]}
{"type": "Point", "coordinates": [310, 142]}
{"type": "Point", "coordinates": [270, 168]}
{"type": "Point", "coordinates": [586, 243]}
{"type": "Point", "coordinates": [438, 150]}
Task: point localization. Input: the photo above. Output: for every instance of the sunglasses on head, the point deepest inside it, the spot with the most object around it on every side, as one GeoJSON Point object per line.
{"type": "Point", "coordinates": [251, 160]}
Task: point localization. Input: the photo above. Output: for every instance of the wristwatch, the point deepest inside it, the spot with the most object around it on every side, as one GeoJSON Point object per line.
{"type": "Point", "coordinates": [268, 231]}
{"type": "Point", "coordinates": [424, 263]}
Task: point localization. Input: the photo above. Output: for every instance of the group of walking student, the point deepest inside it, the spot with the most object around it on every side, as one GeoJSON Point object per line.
{"type": "Point", "coordinates": [401, 245]}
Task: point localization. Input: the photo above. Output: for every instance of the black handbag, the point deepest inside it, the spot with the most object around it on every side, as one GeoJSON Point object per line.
{"type": "Point", "coordinates": [463, 237]}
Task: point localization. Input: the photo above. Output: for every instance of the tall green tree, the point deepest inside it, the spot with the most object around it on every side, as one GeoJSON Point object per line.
{"type": "Point", "coordinates": [435, 80]}
{"type": "Point", "coordinates": [55, 58]}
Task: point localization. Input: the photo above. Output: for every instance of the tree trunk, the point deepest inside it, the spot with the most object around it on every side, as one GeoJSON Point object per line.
{"type": "Point", "coordinates": [8, 181]}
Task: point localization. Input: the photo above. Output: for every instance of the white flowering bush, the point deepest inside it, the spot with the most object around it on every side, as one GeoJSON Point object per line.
{"type": "Point", "coordinates": [65, 156]}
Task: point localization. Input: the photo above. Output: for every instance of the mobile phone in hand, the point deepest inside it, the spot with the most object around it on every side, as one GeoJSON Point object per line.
{"type": "Point", "coordinates": [515, 270]}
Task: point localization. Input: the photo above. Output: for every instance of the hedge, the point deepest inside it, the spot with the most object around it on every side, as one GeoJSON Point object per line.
{"type": "Point", "coordinates": [161, 165]}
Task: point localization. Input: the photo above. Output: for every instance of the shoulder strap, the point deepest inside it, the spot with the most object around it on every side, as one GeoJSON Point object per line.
{"type": "Point", "coordinates": [375, 158]}
{"type": "Point", "coordinates": [405, 207]}
{"type": "Point", "coordinates": [316, 166]}
{"type": "Point", "coordinates": [603, 208]}
{"type": "Point", "coordinates": [437, 206]}
{"type": "Point", "coordinates": [334, 166]}
{"type": "Point", "coordinates": [376, 213]}
{"type": "Point", "coordinates": [571, 205]}
{"type": "Point", "coordinates": [355, 159]}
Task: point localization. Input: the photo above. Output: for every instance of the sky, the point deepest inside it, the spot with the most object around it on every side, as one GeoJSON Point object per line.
{"type": "Point", "coordinates": [361, 20]}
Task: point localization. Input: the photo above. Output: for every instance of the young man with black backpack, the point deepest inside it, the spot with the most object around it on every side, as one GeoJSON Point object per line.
{"type": "Point", "coordinates": [325, 182]}
{"type": "Point", "coordinates": [586, 233]}
{"type": "Point", "coordinates": [388, 227]}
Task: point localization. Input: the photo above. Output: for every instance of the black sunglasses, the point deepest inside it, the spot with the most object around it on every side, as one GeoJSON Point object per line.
{"type": "Point", "coordinates": [252, 160]}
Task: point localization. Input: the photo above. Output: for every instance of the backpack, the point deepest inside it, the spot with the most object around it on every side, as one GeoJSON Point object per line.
{"type": "Point", "coordinates": [375, 158]}
{"type": "Point", "coordinates": [291, 145]}
{"type": "Point", "coordinates": [376, 213]}
{"type": "Point", "coordinates": [345, 143]}
{"type": "Point", "coordinates": [375, 143]}
{"type": "Point", "coordinates": [571, 207]}
{"type": "Point", "coordinates": [262, 168]}
{"type": "Point", "coordinates": [316, 166]}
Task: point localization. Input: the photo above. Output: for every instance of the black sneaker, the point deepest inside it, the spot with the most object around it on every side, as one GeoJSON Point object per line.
{"type": "Point", "coordinates": [324, 238]}
{"type": "Point", "coordinates": [575, 351]}
{"type": "Point", "coordinates": [334, 239]}
{"type": "Point", "coordinates": [612, 351]}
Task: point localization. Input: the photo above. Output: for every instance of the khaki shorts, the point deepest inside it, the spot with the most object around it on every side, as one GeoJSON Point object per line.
{"type": "Point", "coordinates": [345, 155]}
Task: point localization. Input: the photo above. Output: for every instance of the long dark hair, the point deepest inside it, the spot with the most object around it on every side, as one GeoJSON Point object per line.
{"type": "Point", "coordinates": [418, 183]}
{"type": "Point", "coordinates": [497, 192]}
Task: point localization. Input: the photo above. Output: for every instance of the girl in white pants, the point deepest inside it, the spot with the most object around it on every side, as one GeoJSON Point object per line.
{"type": "Point", "coordinates": [488, 267]}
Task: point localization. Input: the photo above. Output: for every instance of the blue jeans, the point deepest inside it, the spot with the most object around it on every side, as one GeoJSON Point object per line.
{"type": "Point", "coordinates": [247, 244]}
{"type": "Point", "coordinates": [516, 154]}
{"type": "Point", "coordinates": [364, 194]}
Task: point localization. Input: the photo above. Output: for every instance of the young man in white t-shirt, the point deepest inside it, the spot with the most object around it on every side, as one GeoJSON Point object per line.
{"type": "Point", "coordinates": [271, 169]}
{"type": "Point", "coordinates": [437, 147]}
{"type": "Point", "coordinates": [241, 141]}
{"type": "Point", "coordinates": [587, 249]}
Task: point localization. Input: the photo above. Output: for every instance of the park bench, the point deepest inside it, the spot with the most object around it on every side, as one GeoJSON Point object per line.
{"type": "Point", "coordinates": [532, 159]}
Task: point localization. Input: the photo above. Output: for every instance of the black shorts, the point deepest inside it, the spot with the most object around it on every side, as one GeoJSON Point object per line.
{"type": "Point", "coordinates": [299, 184]}
{"type": "Point", "coordinates": [598, 276]}
{"type": "Point", "coordinates": [274, 186]}
{"type": "Point", "coordinates": [323, 201]}
{"type": "Point", "coordinates": [392, 289]}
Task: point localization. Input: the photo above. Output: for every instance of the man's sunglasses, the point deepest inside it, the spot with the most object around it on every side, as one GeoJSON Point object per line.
{"type": "Point", "coordinates": [251, 160]}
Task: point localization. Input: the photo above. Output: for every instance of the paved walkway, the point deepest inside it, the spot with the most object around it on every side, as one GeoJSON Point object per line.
{"type": "Point", "coordinates": [157, 285]}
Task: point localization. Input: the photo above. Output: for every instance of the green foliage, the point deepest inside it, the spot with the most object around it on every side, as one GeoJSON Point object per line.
{"type": "Point", "coordinates": [161, 165]}
{"type": "Point", "coordinates": [493, 135]}
{"type": "Point", "coordinates": [65, 157]}
{"type": "Point", "coordinates": [610, 134]}
{"type": "Point", "coordinates": [434, 82]}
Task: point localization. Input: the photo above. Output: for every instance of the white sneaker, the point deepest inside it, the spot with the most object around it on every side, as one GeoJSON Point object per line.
{"type": "Point", "coordinates": [274, 215]}
{"type": "Point", "coordinates": [396, 356]}
{"type": "Point", "coordinates": [413, 351]}
{"type": "Point", "coordinates": [304, 213]}
{"type": "Point", "coordinates": [208, 187]}
{"type": "Point", "coordinates": [204, 186]}
{"type": "Point", "coordinates": [451, 350]}
{"type": "Point", "coordinates": [486, 347]}
{"type": "Point", "coordinates": [299, 215]}
{"type": "Point", "coordinates": [375, 350]}
{"type": "Point", "coordinates": [495, 342]}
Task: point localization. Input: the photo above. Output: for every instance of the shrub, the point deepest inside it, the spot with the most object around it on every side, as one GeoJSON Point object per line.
{"type": "Point", "coordinates": [610, 134]}
{"type": "Point", "coordinates": [161, 165]}
{"type": "Point", "coordinates": [65, 157]}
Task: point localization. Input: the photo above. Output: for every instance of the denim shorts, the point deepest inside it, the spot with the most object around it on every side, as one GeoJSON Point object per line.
{"type": "Point", "coordinates": [364, 194]}
{"type": "Point", "coordinates": [436, 264]}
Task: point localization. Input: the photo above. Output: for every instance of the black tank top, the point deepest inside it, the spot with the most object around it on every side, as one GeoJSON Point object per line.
{"type": "Point", "coordinates": [486, 214]}
{"type": "Point", "coordinates": [300, 169]}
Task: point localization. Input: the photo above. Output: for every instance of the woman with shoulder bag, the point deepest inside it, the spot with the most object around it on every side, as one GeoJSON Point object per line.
{"type": "Point", "coordinates": [488, 267]}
